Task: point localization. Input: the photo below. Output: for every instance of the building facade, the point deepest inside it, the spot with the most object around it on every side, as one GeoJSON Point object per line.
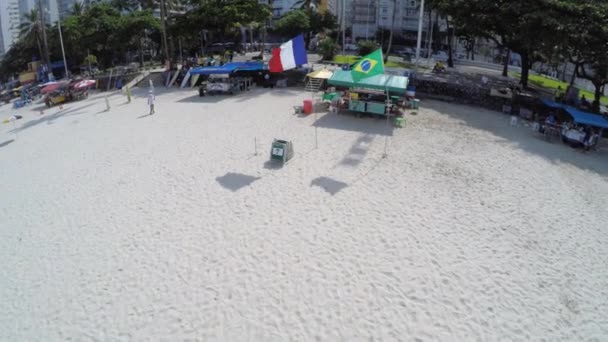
{"type": "Point", "coordinates": [365, 17]}
{"type": "Point", "coordinates": [9, 24]}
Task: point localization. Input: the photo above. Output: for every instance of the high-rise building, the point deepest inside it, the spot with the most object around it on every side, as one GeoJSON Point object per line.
{"type": "Point", "coordinates": [365, 17]}
{"type": "Point", "coordinates": [9, 23]}
{"type": "Point", "coordinates": [280, 7]}
{"type": "Point", "coordinates": [2, 51]}
{"type": "Point", "coordinates": [64, 7]}
{"type": "Point", "coordinates": [50, 11]}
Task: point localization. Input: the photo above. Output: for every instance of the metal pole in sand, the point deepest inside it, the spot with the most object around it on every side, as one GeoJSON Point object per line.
{"type": "Point", "coordinates": [255, 145]}
{"type": "Point", "coordinates": [108, 89]}
{"type": "Point", "coordinates": [388, 114]}
{"type": "Point", "coordinates": [316, 136]}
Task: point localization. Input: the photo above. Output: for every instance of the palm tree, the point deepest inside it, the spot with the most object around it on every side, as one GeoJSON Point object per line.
{"type": "Point", "coordinates": [77, 8]}
{"type": "Point", "coordinates": [307, 4]}
{"type": "Point", "coordinates": [31, 29]}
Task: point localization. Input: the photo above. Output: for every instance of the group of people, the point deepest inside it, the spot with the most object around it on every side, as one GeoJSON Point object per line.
{"type": "Point", "coordinates": [226, 57]}
{"type": "Point", "coordinates": [590, 138]}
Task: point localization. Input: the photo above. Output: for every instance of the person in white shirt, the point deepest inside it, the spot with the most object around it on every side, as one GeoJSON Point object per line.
{"type": "Point", "coordinates": [151, 99]}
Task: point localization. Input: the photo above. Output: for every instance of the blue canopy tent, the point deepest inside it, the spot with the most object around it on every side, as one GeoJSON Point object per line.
{"type": "Point", "coordinates": [578, 116]}
{"type": "Point", "coordinates": [229, 68]}
{"type": "Point", "coordinates": [585, 118]}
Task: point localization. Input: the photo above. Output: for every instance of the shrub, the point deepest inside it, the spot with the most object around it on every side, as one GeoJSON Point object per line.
{"type": "Point", "coordinates": [327, 48]}
{"type": "Point", "coordinates": [366, 47]}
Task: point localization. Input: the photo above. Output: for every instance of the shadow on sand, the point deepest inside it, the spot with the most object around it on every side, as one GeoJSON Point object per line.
{"type": "Point", "coordinates": [8, 142]}
{"type": "Point", "coordinates": [526, 139]}
{"type": "Point", "coordinates": [330, 185]}
{"type": "Point", "coordinates": [347, 122]}
{"type": "Point", "coordinates": [235, 181]}
{"type": "Point", "coordinates": [50, 118]}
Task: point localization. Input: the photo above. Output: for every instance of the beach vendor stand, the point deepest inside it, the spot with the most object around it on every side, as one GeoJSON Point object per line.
{"type": "Point", "coordinates": [374, 95]}
{"type": "Point", "coordinates": [220, 84]}
{"type": "Point", "coordinates": [577, 128]}
{"type": "Point", "coordinates": [228, 78]}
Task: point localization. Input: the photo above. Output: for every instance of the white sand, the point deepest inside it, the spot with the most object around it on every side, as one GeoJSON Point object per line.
{"type": "Point", "coordinates": [167, 227]}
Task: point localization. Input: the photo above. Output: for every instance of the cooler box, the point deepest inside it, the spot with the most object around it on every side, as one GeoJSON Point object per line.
{"type": "Point", "coordinates": [415, 104]}
{"type": "Point", "coordinates": [281, 151]}
{"type": "Point", "coordinates": [307, 106]}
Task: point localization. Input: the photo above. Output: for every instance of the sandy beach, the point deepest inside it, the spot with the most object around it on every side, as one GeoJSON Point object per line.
{"type": "Point", "coordinates": [120, 226]}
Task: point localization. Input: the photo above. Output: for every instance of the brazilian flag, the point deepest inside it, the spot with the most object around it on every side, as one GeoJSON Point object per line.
{"type": "Point", "coordinates": [370, 65]}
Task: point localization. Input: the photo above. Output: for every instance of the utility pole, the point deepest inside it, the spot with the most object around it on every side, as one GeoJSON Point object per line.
{"type": "Point", "coordinates": [45, 45]}
{"type": "Point", "coordinates": [343, 25]}
{"type": "Point", "coordinates": [163, 27]}
{"type": "Point", "coordinates": [65, 63]}
{"type": "Point", "coordinates": [420, 19]}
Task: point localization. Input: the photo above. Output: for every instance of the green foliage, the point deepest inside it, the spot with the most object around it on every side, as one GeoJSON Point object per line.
{"type": "Point", "coordinates": [322, 22]}
{"type": "Point", "coordinates": [307, 4]}
{"type": "Point", "coordinates": [327, 48]}
{"type": "Point", "coordinates": [293, 23]}
{"type": "Point", "coordinates": [366, 47]}
{"type": "Point", "coordinates": [92, 59]}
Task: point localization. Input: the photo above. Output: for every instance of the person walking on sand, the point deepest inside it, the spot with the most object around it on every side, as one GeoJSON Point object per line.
{"type": "Point", "coordinates": [151, 99]}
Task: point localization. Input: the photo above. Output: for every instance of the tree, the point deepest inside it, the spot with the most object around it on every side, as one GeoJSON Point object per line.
{"type": "Point", "coordinates": [366, 47]}
{"type": "Point", "coordinates": [307, 4]}
{"type": "Point", "coordinates": [30, 30]}
{"type": "Point", "coordinates": [590, 46]}
{"type": "Point", "coordinates": [509, 24]}
{"type": "Point", "coordinates": [319, 23]}
{"type": "Point", "coordinates": [327, 48]}
{"type": "Point", "coordinates": [77, 8]}
{"type": "Point", "coordinates": [293, 23]}
{"type": "Point", "coordinates": [221, 17]}
{"type": "Point", "coordinates": [16, 58]}
{"type": "Point", "coordinates": [132, 29]}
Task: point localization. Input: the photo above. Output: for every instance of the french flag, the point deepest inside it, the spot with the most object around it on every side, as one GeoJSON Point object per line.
{"type": "Point", "coordinates": [290, 55]}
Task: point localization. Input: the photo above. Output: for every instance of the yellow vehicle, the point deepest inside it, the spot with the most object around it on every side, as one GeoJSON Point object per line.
{"type": "Point", "coordinates": [57, 97]}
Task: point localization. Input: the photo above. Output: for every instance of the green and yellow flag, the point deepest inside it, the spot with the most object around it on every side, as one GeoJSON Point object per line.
{"type": "Point", "coordinates": [370, 65]}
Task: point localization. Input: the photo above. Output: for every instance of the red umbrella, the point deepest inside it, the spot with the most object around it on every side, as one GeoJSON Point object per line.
{"type": "Point", "coordinates": [84, 84]}
{"type": "Point", "coordinates": [50, 88]}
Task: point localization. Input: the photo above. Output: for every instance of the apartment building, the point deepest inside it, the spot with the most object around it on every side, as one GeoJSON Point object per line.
{"type": "Point", "coordinates": [9, 24]}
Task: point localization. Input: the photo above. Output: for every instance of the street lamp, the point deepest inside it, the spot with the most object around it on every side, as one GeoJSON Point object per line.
{"type": "Point", "coordinates": [65, 64]}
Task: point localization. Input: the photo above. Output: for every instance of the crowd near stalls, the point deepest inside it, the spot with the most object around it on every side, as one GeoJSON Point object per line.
{"type": "Point", "coordinates": [571, 125]}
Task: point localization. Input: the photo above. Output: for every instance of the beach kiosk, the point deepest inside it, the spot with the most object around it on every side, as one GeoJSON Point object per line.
{"type": "Point", "coordinates": [228, 78]}
{"type": "Point", "coordinates": [374, 95]}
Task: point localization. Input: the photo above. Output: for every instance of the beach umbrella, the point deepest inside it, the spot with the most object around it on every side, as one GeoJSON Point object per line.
{"type": "Point", "coordinates": [50, 88]}
{"type": "Point", "coordinates": [84, 84]}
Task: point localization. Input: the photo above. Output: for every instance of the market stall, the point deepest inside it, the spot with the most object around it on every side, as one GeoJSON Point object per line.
{"type": "Point", "coordinates": [576, 127]}
{"type": "Point", "coordinates": [228, 78]}
{"type": "Point", "coordinates": [374, 95]}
